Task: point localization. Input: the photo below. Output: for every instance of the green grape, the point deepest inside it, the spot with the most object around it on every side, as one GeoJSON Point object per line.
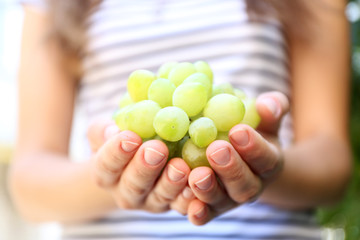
{"type": "Point", "coordinates": [191, 97]}
{"type": "Point", "coordinates": [193, 118]}
{"type": "Point", "coordinates": [193, 155]}
{"type": "Point", "coordinates": [165, 69]}
{"type": "Point", "coordinates": [138, 84]}
{"type": "Point", "coordinates": [222, 88]}
{"type": "Point", "coordinates": [200, 78]}
{"type": "Point", "coordinates": [161, 91]}
{"type": "Point", "coordinates": [172, 146]}
{"type": "Point", "coordinates": [223, 136]}
{"type": "Point", "coordinates": [171, 123]}
{"type": "Point", "coordinates": [125, 100]}
{"type": "Point", "coordinates": [180, 145]}
{"type": "Point", "coordinates": [140, 116]}
{"type": "Point", "coordinates": [180, 72]}
{"type": "Point", "coordinates": [204, 67]}
{"type": "Point", "coordinates": [202, 132]}
{"type": "Point", "coordinates": [251, 117]}
{"type": "Point", "coordinates": [120, 117]}
{"type": "Point", "coordinates": [240, 94]}
{"type": "Point", "coordinates": [225, 110]}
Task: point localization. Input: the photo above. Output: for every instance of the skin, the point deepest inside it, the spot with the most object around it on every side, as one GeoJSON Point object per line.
{"type": "Point", "coordinates": [124, 173]}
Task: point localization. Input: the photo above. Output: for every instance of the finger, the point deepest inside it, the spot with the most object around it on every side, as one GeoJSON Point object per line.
{"type": "Point", "coordinates": [264, 158]}
{"type": "Point", "coordinates": [182, 201]}
{"type": "Point", "coordinates": [113, 156]}
{"type": "Point", "coordinates": [271, 106]}
{"type": "Point", "coordinates": [99, 131]}
{"type": "Point", "coordinates": [241, 184]}
{"type": "Point", "coordinates": [206, 188]}
{"type": "Point", "coordinates": [171, 183]}
{"type": "Point", "coordinates": [141, 173]}
{"type": "Point", "coordinates": [199, 212]}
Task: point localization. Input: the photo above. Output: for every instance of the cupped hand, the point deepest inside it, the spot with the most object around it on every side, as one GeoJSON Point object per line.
{"type": "Point", "coordinates": [242, 168]}
{"type": "Point", "coordinates": [137, 174]}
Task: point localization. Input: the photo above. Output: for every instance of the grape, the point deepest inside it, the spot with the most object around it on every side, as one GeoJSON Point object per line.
{"type": "Point", "coordinates": [171, 123]}
{"type": "Point", "coordinates": [240, 94]}
{"type": "Point", "coordinates": [223, 136]}
{"type": "Point", "coordinates": [180, 145]}
{"type": "Point", "coordinates": [225, 110]}
{"type": "Point", "coordinates": [191, 97]}
{"type": "Point", "coordinates": [161, 91]}
{"type": "Point", "coordinates": [193, 118]}
{"type": "Point", "coordinates": [181, 107]}
{"type": "Point", "coordinates": [222, 88]}
{"type": "Point", "coordinates": [200, 78]}
{"type": "Point", "coordinates": [125, 100]}
{"type": "Point", "coordinates": [203, 67]}
{"type": "Point", "coordinates": [138, 84]}
{"type": "Point", "coordinates": [202, 132]}
{"type": "Point", "coordinates": [251, 117]}
{"type": "Point", "coordinates": [120, 117]}
{"type": "Point", "coordinates": [193, 155]}
{"type": "Point", "coordinates": [180, 72]}
{"type": "Point", "coordinates": [139, 118]}
{"type": "Point", "coordinates": [172, 146]}
{"type": "Point", "coordinates": [165, 69]}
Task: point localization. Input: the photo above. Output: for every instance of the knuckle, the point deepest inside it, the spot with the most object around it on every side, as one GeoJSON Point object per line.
{"type": "Point", "coordinates": [134, 189]}
{"type": "Point", "coordinates": [100, 181]}
{"type": "Point", "coordinates": [124, 204]}
{"type": "Point", "coordinates": [159, 209]}
{"type": "Point", "coordinates": [246, 195]}
{"type": "Point", "coordinates": [180, 208]}
{"type": "Point", "coordinates": [236, 174]}
{"type": "Point", "coordinates": [115, 156]}
{"type": "Point", "coordinates": [104, 166]}
{"type": "Point", "coordinates": [160, 198]}
{"type": "Point", "coordinates": [272, 165]}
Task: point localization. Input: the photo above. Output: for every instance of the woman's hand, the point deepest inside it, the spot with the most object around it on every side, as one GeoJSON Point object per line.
{"type": "Point", "coordinates": [243, 167]}
{"type": "Point", "coordinates": [132, 170]}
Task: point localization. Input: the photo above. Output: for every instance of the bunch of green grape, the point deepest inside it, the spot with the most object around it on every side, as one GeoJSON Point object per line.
{"type": "Point", "coordinates": [180, 106]}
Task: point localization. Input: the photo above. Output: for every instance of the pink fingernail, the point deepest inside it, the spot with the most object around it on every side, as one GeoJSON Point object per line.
{"type": "Point", "coordinates": [128, 146]}
{"type": "Point", "coordinates": [110, 131]}
{"type": "Point", "coordinates": [188, 193]}
{"type": "Point", "coordinates": [153, 157]}
{"type": "Point", "coordinates": [272, 105]}
{"type": "Point", "coordinates": [200, 213]}
{"type": "Point", "coordinates": [204, 183]}
{"type": "Point", "coordinates": [240, 137]}
{"type": "Point", "coordinates": [174, 174]}
{"type": "Point", "coordinates": [221, 156]}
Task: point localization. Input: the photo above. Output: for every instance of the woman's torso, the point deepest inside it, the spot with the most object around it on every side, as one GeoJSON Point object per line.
{"type": "Point", "coordinates": [143, 34]}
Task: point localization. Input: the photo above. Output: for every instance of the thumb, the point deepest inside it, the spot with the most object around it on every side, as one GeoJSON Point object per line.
{"type": "Point", "coordinates": [271, 106]}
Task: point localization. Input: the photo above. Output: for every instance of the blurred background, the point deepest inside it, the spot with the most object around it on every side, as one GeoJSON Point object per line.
{"type": "Point", "coordinates": [340, 222]}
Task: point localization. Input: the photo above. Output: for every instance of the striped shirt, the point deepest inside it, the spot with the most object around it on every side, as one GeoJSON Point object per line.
{"type": "Point", "coordinates": [124, 36]}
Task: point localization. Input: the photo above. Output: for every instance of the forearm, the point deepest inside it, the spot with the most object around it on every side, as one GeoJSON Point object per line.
{"type": "Point", "coordinates": [48, 187]}
{"type": "Point", "coordinates": [315, 173]}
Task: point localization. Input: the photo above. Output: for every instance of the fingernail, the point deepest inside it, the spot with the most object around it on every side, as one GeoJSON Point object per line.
{"type": "Point", "coordinates": [128, 146]}
{"type": "Point", "coordinates": [174, 174]}
{"type": "Point", "coordinates": [153, 157]}
{"type": "Point", "coordinates": [272, 105]}
{"type": "Point", "coordinates": [188, 193]}
{"type": "Point", "coordinates": [221, 156]}
{"type": "Point", "coordinates": [240, 137]}
{"type": "Point", "coordinates": [200, 213]}
{"type": "Point", "coordinates": [110, 131]}
{"type": "Point", "coordinates": [204, 183]}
